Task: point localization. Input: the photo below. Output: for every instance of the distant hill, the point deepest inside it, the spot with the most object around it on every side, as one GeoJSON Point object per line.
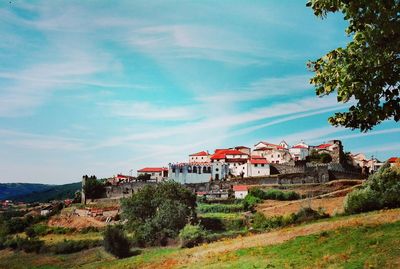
{"type": "Point", "coordinates": [27, 192]}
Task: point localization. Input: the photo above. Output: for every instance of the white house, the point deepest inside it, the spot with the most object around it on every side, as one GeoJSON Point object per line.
{"type": "Point", "coordinates": [156, 173]}
{"type": "Point", "coordinates": [258, 166]}
{"type": "Point", "coordinates": [200, 157]}
{"type": "Point", "coordinates": [273, 153]}
{"type": "Point", "coordinates": [241, 191]}
{"type": "Point", "coordinates": [299, 152]}
{"type": "Point", "coordinates": [236, 160]}
{"type": "Point", "coordinates": [187, 173]}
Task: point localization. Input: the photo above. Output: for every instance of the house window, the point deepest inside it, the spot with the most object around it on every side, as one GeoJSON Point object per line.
{"type": "Point", "coordinates": [256, 165]}
{"type": "Point", "coordinates": [152, 174]}
{"type": "Point", "coordinates": [209, 170]}
{"type": "Point", "coordinates": [204, 170]}
{"type": "Point", "coordinates": [262, 165]}
{"type": "Point", "coordinates": [194, 169]}
{"type": "Point", "coordinates": [173, 169]}
{"type": "Point", "coordinates": [159, 174]}
{"type": "Point", "coordinates": [180, 170]}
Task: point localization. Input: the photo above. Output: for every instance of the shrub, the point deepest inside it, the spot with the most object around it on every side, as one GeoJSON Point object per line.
{"type": "Point", "coordinates": [250, 201]}
{"type": "Point", "coordinates": [71, 246]}
{"type": "Point", "coordinates": [274, 194]}
{"type": "Point", "coordinates": [362, 200]}
{"type": "Point", "coordinates": [26, 244]}
{"type": "Point", "coordinates": [308, 214]}
{"type": "Point", "coordinates": [115, 242]}
{"type": "Point", "coordinates": [261, 222]}
{"type": "Point", "coordinates": [220, 208]}
{"type": "Point", "coordinates": [191, 235]}
{"type": "Point", "coordinates": [381, 190]}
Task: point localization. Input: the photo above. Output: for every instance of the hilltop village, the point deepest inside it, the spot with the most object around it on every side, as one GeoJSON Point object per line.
{"type": "Point", "coordinates": [264, 159]}
{"type": "Point", "coordinates": [214, 174]}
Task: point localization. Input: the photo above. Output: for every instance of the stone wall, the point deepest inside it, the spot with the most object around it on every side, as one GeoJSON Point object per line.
{"type": "Point", "coordinates": [125, 189]}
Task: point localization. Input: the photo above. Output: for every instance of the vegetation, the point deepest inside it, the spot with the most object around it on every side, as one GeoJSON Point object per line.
{"type": "Point", "coordinates": [367, 69]}
{"type": "Point", "coordinates": [115, 242]}
{"type": "Point", "coordinates": [93, 188]}
{"type": "Point", "coordinates": [71, 246]}
{"type": "Point", "coordinates": [319, 157]}
{"type": "Point", "coordinates": [220, 208]}
{"type": "Point", "coordinates": [274, 194]}
{"type": "Point", "coordinates": [49, 193]}
{"type": "Point", "coordinates": [192, 235]}
{"type": "Point", "coordinates": [381, 190]}
{"type": "Point", "coordinates": [157, 213]}
{"type": "Point", "coordinates": [306, 214]}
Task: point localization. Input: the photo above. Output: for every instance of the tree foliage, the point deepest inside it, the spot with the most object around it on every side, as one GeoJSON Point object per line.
{"type": "Point", "coordinates": [368, 68]}
{"type": "Point", "coordinates": [115, 242]}
{"type": "Point", "coordinates": [382, 190]}
{"type": "Point", "coordinates": [156, 213]}
{"type": "Point", "coordinates": [93, 188]}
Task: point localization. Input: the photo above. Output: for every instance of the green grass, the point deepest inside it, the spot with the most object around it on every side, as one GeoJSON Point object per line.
{"type": "Point", "coordinates": [361, 247]}
{"type": "Point", "coordinates": [149, 256]}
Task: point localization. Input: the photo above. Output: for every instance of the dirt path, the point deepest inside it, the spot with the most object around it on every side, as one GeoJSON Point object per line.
{"type": "Point", "coordinates": [193, 255]}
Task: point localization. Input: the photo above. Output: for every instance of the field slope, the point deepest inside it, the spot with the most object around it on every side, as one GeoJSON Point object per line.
{"type": "Point", "coordinates": [368, 240]}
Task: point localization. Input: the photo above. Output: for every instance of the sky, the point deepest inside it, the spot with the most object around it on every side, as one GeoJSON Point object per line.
{"type": "Point", "coordinates": [107, 87]}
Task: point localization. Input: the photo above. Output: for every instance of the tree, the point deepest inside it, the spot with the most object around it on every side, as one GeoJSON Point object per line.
{"type": "Point", "coordinates": [156, 213]}
{"type": "Point", "coordinates": [368, 68]}
{"type": "Point", "coordinates": [115, 242]}
{"type": "Point", "coordinates": [93, 188]}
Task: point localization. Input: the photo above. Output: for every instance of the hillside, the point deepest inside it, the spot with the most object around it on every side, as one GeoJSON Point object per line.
{"type": "Point", "coordinates": [368, 240]}
{"type": "Point", "coordinates": [26, 192]}
{"type": "Point", "coordinates": [8, 190]}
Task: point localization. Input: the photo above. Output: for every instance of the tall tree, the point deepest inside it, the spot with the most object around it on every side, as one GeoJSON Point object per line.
{"type": "Point", "coordinates": [367, 70]}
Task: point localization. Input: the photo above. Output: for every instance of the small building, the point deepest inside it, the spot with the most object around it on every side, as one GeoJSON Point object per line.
{"type": "Point", "coordinates": [157, 174]}
{"type": "Point", "coordinates": [258, 166]}
{"type": "Point", "coordinates": [187, 173]}
{"type": "Point", "coordinates": [299, 152]}
{"type": "Point", "coordinates": [241, 191]}
{"type": "Point", "coordinates": [200, 157]}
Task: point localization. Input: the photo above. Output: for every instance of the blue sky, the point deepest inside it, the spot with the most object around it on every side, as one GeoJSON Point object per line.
{"type": "Point", "coordinates": [102, 87]}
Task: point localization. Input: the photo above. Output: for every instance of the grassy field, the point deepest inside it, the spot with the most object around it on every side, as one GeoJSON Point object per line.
{"type": "Point", "coordinates": [369, 240]}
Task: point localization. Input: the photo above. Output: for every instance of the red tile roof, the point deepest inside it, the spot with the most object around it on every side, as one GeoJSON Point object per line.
{"type": "Point", "coordinates": [299, 147]}
{"type": "Point", "coordinates": [240, 187]}
{"type": "Point", "coordinates": [201, 153]}
{"type": "Point", "coordinates": [323, 146]}
{"type": "Point", "coordinates": [241, 147]}
{"type": "Point", "coordinates": [221, 153]}
{"type": "Point", "coordinates": [393, 159]}
{"type": "Point", "coordinates": [258, 160]}
{"type": "Point", "coordinates": [152, 169]}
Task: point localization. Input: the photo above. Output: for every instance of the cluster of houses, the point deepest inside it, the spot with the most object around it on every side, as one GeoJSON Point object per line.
{"type": "Point", "coordinates": [245, 162]}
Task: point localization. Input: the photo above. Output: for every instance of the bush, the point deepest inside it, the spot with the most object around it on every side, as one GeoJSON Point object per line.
{"type": "Point", "coordinates": [362, 200]}
{"type": "Point", "coordinates": [273, 194]}
{"type": "Point", "coordinates": [115, 242]}
{"type": "Point", "coordinates": [71, 246]}
{"type": "Point", "coordinates": [192, 235]}
{"type": "Point", "coordinates": [261, 222]}
{"type": "Point", "coordinates": [381, 190]}
{"type": "Point", "coordinates": [308, 214]}
{"type": "Point", "coordinates": [25, 244]}
{"type": "Point", "coordinates": [220, 208]}
{"type": "Point", "coordinates": [89, 229]}
{"type": "Point", "coordinates": [250, 201]}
